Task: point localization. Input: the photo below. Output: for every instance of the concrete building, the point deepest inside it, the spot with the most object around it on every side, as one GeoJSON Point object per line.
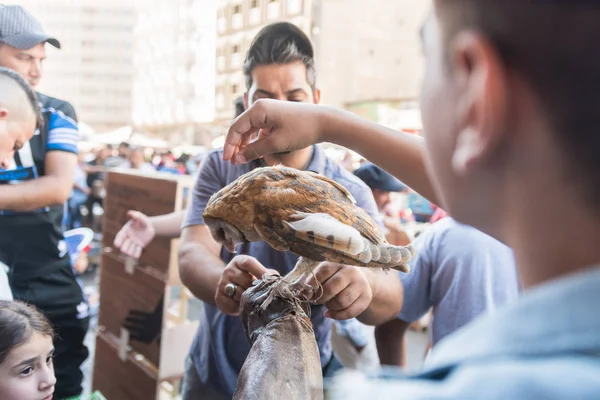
{"type": "Point", "coordinates": [366, 51]}
{"type": "Point", "coordinates": [173, 89]}
{"type": "Point", "coordinates": [172, 67]}
{"type": "Point", "coordinates": [94, 68]}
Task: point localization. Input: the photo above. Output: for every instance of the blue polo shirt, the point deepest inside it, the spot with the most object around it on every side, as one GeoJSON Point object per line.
{"type": "Point", "coordinates": [220, 347]}
{"type": "Point", "coordinates": [544, 346]}
{"type": "Point", "coordinates": [460, 272]}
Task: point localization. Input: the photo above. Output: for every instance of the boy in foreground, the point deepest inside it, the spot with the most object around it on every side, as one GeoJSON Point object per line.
{"type": "Point", "coordinates": [509, 106]}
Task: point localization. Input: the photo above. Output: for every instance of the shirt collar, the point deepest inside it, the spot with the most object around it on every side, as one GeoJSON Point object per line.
{"type": "Point", "coordinates": [557, 317]}
{"type": "Point", "coordinates": [317, 163]}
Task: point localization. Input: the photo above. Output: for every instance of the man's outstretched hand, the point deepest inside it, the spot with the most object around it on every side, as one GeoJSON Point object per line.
{"type": "Point", "coordinates": [135, 235]}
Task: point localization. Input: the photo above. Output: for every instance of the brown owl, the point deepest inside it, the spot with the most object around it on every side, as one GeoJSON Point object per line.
{"type": "Point", "coordinates": [303, 212]}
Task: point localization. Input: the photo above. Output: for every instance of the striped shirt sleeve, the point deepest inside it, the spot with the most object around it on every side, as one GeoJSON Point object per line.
{"type": "Point", "coordinates": [63, 133]}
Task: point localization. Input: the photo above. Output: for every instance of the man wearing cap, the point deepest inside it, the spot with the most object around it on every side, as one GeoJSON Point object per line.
{"type": "Point", "coordinates": [459, 273]}
{"type": "Point", "coordinates": [383, 185]}
{"type": "Point", "coordinates": [31, 205]}
{"type": "Point", "coordinates": [279, 65]}
{"type": "Point", "coordinates": [353, 342]}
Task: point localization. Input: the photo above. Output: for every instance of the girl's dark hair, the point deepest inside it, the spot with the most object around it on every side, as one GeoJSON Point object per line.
{"type": "Point", "coordinates": [18, 322]}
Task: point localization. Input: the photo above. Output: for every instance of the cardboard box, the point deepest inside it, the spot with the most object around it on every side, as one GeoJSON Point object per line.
{"type": "Point", "coordinates": [146, 313]}
{"type": "Point", "coordinates": [158, 194]}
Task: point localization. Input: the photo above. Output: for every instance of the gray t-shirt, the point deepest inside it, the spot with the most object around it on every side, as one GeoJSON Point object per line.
{"type": "Point", "coordinates": [461, 273]}
{"type": "Point", "coordinates": [220, 347]}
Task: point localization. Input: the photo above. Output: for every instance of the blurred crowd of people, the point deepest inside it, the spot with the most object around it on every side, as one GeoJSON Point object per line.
{"type": "Point", "coordinates": [90, 173]}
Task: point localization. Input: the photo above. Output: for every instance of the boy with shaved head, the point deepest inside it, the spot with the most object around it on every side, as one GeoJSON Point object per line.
{"type": "Point", "coordinates": [19, 114]}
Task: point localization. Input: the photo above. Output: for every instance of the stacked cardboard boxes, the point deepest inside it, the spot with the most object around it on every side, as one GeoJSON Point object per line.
{"type": "Point", "coordinates": [145, 330]}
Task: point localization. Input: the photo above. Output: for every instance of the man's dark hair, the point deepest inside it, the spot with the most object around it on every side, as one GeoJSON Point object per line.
{"type": "Point", "coordinates": [553, 46]}
{"type": "Point", "coordinates": [29, 92]}
{"type": "Point", "coordinates": [280, 43]}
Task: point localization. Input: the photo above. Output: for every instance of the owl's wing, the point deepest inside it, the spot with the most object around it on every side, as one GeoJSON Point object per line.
{"type": "Point", "coordinates": [334, 184]}
{"type": "Point", "coordinates": [272, 238]}
{"type": "Point", "coordinates": [321, 237]}
{"type": "Point", "coordinates": [326, 233]}
{"type": "Point", "coordinates": [329, 198]}
{"type": "Point", "coordinates": [296, 174]}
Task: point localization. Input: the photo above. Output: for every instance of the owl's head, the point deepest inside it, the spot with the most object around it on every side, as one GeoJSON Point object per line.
{"type": "Point", "coordinates": [224, 233]}
{"type": "Point", "coordinates": [229, 214]}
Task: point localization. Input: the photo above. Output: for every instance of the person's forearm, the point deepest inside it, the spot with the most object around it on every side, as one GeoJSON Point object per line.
{"type": "Point", "coordinates": [387, 297]}
{"type": "Point", "coordinates": [399, 153]}
{"type": "Point", "coordinates": [168, 225]}
{"type": "Point", "coordinates": [200, 270]}
{"type": "Point", "coordinates": [34, 194]}
{"type": "Point", "coordinates": [391, 343]}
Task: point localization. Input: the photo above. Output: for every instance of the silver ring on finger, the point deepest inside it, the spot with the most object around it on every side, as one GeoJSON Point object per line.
{"type": "Point", "coordinates": [230, 289]}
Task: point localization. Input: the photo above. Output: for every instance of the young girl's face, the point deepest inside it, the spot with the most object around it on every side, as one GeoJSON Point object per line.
{"type": "Point", "coordinates": [27, 372]}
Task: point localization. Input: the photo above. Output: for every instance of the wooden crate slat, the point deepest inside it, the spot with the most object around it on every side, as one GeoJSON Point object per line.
{"type": "Point", "coordinates": [121, 380]}
{"type": "Point", "coordinates": [122, 293]}
{"type": "Point", "coordinates": [151, 195]}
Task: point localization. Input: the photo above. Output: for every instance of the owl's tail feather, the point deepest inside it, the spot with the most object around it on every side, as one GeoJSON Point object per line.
{"type": "Point", "coordinates": [394, 257]}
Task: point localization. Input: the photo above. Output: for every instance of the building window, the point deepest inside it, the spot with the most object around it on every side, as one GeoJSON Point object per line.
{"type": "Point", "coordinates": [294, 7]}
{"type": "Point", "coordinates": [237, 19]}
{"type": "Point", "coordinates": [220, 100]}
{"type": "Point", "coordinates": [236, 56]}
{"type": "Point", "coordinates": [222, 24]}
{"type": "Point", "coordinates": [273, 9]}
{"type": "Point", "coordinates": [255, 15]}
{"type": "Point", "coordinates": [220, 63]}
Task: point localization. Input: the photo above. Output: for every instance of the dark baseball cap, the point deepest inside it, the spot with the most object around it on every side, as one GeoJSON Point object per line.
{"type": "Point", "coordinates": [21, 30]}
{"type": "Point", "coordinates": [376, 178]}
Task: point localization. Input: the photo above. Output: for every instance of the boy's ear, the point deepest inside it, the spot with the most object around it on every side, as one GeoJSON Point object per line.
{"type": "Point", "coordinates": [469, 148]}
{"type": "Point", "coordinates": [483, 104]}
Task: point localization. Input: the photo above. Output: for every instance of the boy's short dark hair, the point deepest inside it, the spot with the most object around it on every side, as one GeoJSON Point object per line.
{"type": "Point", "coordinates": [280, 43]}
{"type": "Point", "coordinates": [29, 92]}
{"type": "Point", "coordinates": [553, 46]}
